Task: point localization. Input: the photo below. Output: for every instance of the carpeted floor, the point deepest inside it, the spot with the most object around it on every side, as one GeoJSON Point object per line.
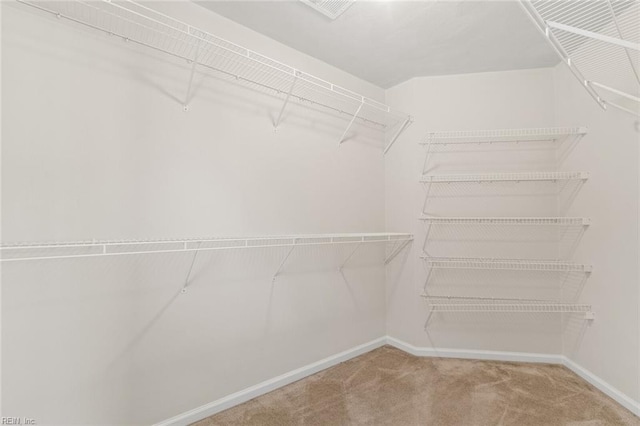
{"type": "Point", "coordinates": [390, 387]}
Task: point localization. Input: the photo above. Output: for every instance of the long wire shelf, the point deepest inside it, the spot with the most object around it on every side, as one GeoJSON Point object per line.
{"type": "Point", "coordinates": [506, 177]}
{"type": "Point", "coordinates": [489, 305]}
{"type": "Point", "coordinates": [599, 41]}
{"type": "Point", "coordinates": [505, 264]}
{"type": "Point", "coordinates": [81, 249]}
{"type": "Point", "coordinates": [137, 23]}
{"type": "Point", "coordinates": [559, 221]}
{"type": "Point", "coordinates": [547, 134]}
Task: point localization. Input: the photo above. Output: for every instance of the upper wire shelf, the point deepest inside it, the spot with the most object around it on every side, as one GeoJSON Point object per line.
{"type": "Point", "coordinates": [599, 41]}
{"type": "Point", "coordinates": [140, 24]}
{"type": "Point", "coordinates": [553, 221]}
{"type": "Point", "coordinates": [505, 264]}
{"type": "Point", "coordinates": [506, 177]}
{"type": "Point", "coordinates": [79, 249]}
{"type": "Point", "coordinates": [545, 134]}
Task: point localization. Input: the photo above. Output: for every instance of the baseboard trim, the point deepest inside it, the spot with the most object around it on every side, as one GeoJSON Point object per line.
{"type": "Point", "coordinates": [475, 354]}
{"type": "Point", "coordinates": [247, 394]}
{"type": "Point", "coordinates": [618, 396]}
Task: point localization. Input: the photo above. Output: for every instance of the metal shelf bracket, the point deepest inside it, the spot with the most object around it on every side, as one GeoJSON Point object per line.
{"type": "Point", "coordinates": [344, 134]}
{"type": "Point", "coordinates": [279, 270]}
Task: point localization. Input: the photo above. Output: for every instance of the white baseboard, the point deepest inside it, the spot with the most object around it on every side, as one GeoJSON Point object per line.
{"type": "Point", "coordinates": [475, 354]}
{"type": "Point", "coordinates": [247, 394]}
{"type": "Point", "coordinates": [618, 396]}
{"type": "Point", "coordinates": [604, 387]}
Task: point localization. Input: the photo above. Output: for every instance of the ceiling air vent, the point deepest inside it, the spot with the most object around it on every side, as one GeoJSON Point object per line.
{"type": "Point", "coordinates": [330, 8]}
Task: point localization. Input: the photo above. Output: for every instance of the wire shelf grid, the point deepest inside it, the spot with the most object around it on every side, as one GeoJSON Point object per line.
{"type": "Point", "coordinates": [551, 221]}
{"type": "Point", "coordinates": [505, 264]}
{"type": "Point", "coordinates": [38, 251]}
{"type": "Point", "coordinates": [490, 305]}
{"type": "Point", "coordinates": [546, 134]}
{"type": "Point", "coordinates": [140, 24]}
{"type": "Point", "coordinates": [599, 41]}
{"type": "Point", "coordinates": [505, 177]}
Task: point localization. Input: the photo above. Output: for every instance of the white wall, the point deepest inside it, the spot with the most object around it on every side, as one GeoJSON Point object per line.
{"type": "Point", "coordinates": [610, 347]}
{"type": "Point", "coordinates": [96, 146]}
{"type": "Point", "coordinates": [516, 99]}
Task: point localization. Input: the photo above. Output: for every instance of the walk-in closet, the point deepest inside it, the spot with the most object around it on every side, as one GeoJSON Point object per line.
{"type": "Point", "coordinates": [314, 212]}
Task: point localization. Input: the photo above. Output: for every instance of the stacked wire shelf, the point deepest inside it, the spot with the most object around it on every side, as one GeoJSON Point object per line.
{"type": "Point", "coordinates": [552, 265]}
{"type": "Point", "coordinates": [473, 303]}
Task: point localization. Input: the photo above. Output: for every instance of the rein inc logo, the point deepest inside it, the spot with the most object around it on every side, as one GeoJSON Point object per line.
{"type": "Point", "coordinates": [17, 421]}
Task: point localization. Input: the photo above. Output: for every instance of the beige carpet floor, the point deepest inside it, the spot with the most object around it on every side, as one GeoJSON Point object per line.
{"type": "Point", "coordinates": [390, 387]}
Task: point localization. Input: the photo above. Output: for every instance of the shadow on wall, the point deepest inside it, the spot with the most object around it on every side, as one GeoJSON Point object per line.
{"type": "Point", "coordinates": [145, 321]}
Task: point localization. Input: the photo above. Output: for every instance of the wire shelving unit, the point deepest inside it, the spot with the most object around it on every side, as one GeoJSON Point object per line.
{"type": "Point", "coordinates": [505, 264]}
{"type": "Point", "coordinates": [137, 23]}
{"type": "Point", "coordinates": [488, 305]}
{"type": "Point", "coordinates": [84, 249]}
{"type": "Point", "coordinates": [600, 43]}
{"type": "Point", "coordinates": [543, 134]}
{"type": "Point", "coordinates": [535, 221]}
{"type": "Point", "coordinates": [506, 177]}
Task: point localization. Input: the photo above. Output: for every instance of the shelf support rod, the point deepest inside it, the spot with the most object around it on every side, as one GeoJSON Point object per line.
{"type": "Point", "coordinates": [615, 91]}
{"type": "Point", "coordinates": [349, 257]}
{"type": "Point", "coordinates": [351, 122]}
{"type": "Point", "coordinates": [596, 36]}
{"type": "Point", "coordinates": [286, 101]}
{"type": "Point", "coordinates": [275, 275]}
{"type": "Point", "coordinates": [621, 108]}
{"type": "Point", "coordinates": [398, 133]}
{"type": "Point", "coordinates": [396, 252]}
{"type": "Point", "coordinates": [193, 70]}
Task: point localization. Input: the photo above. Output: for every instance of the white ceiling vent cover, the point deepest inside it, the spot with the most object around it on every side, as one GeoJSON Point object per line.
{"type": "Point", "coordinates": [330, 8]}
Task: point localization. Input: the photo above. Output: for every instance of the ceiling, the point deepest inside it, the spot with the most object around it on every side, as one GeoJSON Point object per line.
{"type": "Point", "coordinates": [388, 42]}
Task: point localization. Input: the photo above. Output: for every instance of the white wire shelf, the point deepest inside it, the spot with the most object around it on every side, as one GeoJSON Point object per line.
{"type": "Point", "coordinates": [506, 177]}
{"type": "Point", "coordinates": [505, 264]}
{"type": "Point", "coordinates": [135, 22]}
{"type": "Point", "coordinates": [496, 305]}
{"type": "Point", "coordinates": [81, 249]}
{"type": "Point", "coordinates": [546, 134]}
{"type": "Point", "coordinates": [552, 221]}
{"type": "Point", "coordinates": [600, 43]}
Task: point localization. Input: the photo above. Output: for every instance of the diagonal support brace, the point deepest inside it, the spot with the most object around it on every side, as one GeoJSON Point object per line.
{"type": "Point", "coordinates": [396, 252]}
{"type": "Point", "coordinates": [349, 257]}
{"type": "Point", "coordinates": [286, 101]}
{"type": "Point", "coordinates": [193, 262]}
{"type": "Point", "coordinates": [398, 133]}
{"type": "Point", "coordinates": [351, 122]}
{"type": "Point", "coordinates": [275, 275]}
{"type": "Point", "coordinates": [193, 71]}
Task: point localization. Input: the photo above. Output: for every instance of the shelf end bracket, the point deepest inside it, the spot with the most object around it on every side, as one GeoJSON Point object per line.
{"type": "Point", "coordinates": [398, 133]}
{"type": "Point", "coordinates": [286, 101]}
{"type": "Point", "coordinates": [279, 270]}
{"type": "Point", "coordinates": [344, 134]}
